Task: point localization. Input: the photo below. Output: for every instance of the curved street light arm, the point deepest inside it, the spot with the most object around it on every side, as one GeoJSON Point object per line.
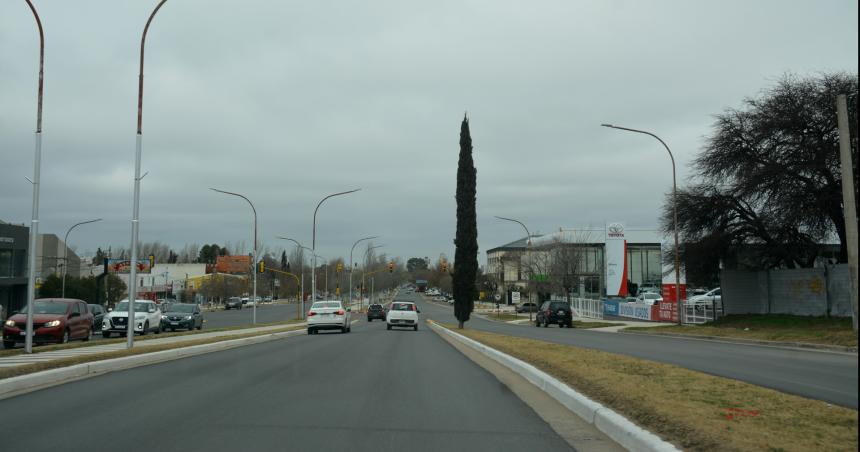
{"type": "Point", "coordinates": [528, 234]}
{"type": "Point", "coordinates": [66, 252]}
{"type": "Point", "coordinates": [140, 75]}
{"type": "Point", "coordinates": [314, 238]}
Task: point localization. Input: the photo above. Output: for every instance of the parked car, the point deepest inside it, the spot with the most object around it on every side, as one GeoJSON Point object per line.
{"type": "Point", "coordinates": [375, 311]}
{"type": "Point", "coordinates": [649, 288]}
{"type": "Point", "coordinates": [554, 313]}
{"type": "Point", "coordinates": [527, 306]}
{"type": "Point", "coordinates": [57, 320]}
{"type": "Point", "coordinates": [649, 298]}
{"type": "Point", "coordinates": [402, 314]}
{"type": "Point", "coordinates": [185, 316]}
{"type": "Point", "coordinates": [329, 315]}
{"type": "Point", "coordinates": [233, 303]}
{"type": "Point", "coordinates": [147, 317]}
{"type": "Point", "coordinates": [713, 297]}
{"type": "Point", "coordinates": [98, 312]}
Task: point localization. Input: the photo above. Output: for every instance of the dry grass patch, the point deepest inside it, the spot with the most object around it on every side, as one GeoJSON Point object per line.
{"type": "Point", "coordinates": [691, 409]}
{"type": "Point", "coordinates": [8, 372]}
{"type": "Point", "coordinates": [770, 327]}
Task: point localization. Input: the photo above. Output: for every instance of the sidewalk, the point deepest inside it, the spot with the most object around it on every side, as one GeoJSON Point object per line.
{"type": "Point", "coordinates": [37, 357]}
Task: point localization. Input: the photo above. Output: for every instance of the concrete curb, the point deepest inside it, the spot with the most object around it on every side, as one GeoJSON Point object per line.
{"type": "Point", "coordinates": [764, 343]}
{"type": "Point", "coordinates": [23, 384]}
{"type": "Point", "coordinates": [620, 429]}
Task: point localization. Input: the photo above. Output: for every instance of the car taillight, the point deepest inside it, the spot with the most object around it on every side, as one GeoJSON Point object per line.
{"type": "Point", "coordinates": [311, 313]}
{"type": "Point", "coordinates": [340, 312]}
{"type": "Point", "coordinates": [414, 308]}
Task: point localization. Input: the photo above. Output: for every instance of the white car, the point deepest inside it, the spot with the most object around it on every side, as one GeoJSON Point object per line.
{"type": "Point", "coordinates": [329, 315]}
{"type": "Point", "coordinates": [649, 298]}
{"type": "Point", "coordinates": [402, 313]}
{"type": "Point", "coordinates": [147, 317]}
{"type": "Point", "coordinates": [714, 296]}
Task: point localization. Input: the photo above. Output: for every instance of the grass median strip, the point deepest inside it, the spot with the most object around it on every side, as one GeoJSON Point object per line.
{"type": "Point", "coordinates": [770, 327]}
{"type": "Point", "coordinates": [691, 409]}
{"type": "Point", "coordinates": [79, 344]}
{"type": "Point", "coordinates": [8, 372]}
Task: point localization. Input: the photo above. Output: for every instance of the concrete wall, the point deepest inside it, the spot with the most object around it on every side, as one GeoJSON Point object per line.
{"type": "Point", "coordinates": [807, 291]}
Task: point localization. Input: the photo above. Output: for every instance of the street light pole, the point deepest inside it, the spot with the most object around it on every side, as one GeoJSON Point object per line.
{"type": "Point", "coordinates": [302, 264]}
{"type": "Point", "coordinates": [135, 220]}
{"type": "Point", "coordinates": [674, 214]}
{"type": "Point", "coordinates": [314, 241]}
{"type": "Point", "coordinates": [66, 252]}
{"type": "Point", "coordinates": [37, 169]}
{"type": "Point", "coordinates": [350, 262]}
{"type": "Point", "coordinates": [254, 259]}
{"type": "Point", "coordinates": [361, 296]}
{"type": "Point", "coordinates": [528, 247]}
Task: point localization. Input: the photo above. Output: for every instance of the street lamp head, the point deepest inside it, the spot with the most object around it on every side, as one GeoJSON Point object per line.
{"type": "Point", "coordinates": [607, 125]}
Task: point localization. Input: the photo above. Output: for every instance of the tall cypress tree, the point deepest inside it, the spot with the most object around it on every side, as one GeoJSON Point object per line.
{"type": "Point", "coordinates": [466, 240]}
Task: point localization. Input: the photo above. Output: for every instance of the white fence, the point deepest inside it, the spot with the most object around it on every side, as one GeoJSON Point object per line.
{"type": "Point", "coordinates": [700, 313]}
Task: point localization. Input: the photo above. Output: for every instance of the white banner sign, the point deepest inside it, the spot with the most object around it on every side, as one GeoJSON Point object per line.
{"type": "Point", "coordinates": [515, 297]}
{"type": "Point", "coordinates": [616, 260]}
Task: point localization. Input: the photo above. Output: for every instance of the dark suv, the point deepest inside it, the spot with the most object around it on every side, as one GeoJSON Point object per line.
{"type": "Point", "coordinates": [554, 312]}
{"type": "Point", "coordinates": [375, 311]}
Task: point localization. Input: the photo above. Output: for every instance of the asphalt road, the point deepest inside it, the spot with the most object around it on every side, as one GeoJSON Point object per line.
{"type": "Point", "coordinates": [369, 390]}
{"type": "Point", "coordinates": [831, 377]}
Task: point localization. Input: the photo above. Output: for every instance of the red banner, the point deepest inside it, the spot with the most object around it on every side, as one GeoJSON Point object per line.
{"type": "Point", "coordinates": [669, 292]}
{"type": "Point", "coordinates": [665, 311]}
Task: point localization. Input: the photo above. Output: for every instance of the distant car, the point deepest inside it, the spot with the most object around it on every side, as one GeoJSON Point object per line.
{"type": "Point", "coordinates": [267, 299]}
{"type": "Point", "coordinates": [184, 316]}
{"type": "Point", "coordinates": [649, 288]}
{"type": "Point", "coordinates": [649, 298]}
{"type": "Point", "coordinates": [98, 312]}
{"type": "Point", "coordinates": [527, 306]}
{"type": "Point", "coordinates": [402, 314]}
{"type": "Point", "coordinates": [375, 311]}
{"type": "Point", "coordinates": [245, 300]}
{"type": "Point", "coordinates": [554, 313]}
{"type": "Point", "coordinates": [57, 320]}
{"type": "Point", "coordinates": [147, 317]}
{"type": "Point", "coordinates": [328, 315]}
{"type": "Point", "coordinates": [233, 303]}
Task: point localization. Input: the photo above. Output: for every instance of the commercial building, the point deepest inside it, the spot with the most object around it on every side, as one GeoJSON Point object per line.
{"type": "Point", "coordinates": [52, 254]}
{"type": "Point", "coordinates": [14, 245]}
{"type": "Point", "coordinates": [167, 280]}
{"type": "Point", "coordinates": [573, 258]}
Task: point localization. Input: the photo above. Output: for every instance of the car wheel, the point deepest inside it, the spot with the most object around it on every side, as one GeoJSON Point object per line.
{"type": "Point", "coordinates": [310, 331]}
{"type": "Point", "coordinates": [570, 324]}
{"type": "Point", "coordinates": [387, 327]}
{"type": "Point", "coordinates": [106, 334]}
{"type": "Point", "coordinates": [8, 344]}
{"type": "Point", "coordinates": [159, 329]}
{"type": "Point", "coordinates": [173, 330]}
{"type": "Point", "coordinates": [89, 335]}
{"type": "Point", "coordinates": [65, 339]}
{"type": "Point", "coordinates": [199, 328]}
{"type": "Point", "coordinates": [369, 319]}
{"type": "Point", "coordinates": [537, 324]}
{"type": "Point", "coordinates": [415, 328]}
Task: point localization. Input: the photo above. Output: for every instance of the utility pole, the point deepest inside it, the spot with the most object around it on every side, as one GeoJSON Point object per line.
{"type": "Point", "coordinates": [849, 208]}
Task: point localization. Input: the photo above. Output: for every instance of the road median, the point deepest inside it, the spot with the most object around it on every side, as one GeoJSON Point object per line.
{"type": "Point", "coordinates": [693, 410]}
{"type": "Point", "coordinates": [26, 378]}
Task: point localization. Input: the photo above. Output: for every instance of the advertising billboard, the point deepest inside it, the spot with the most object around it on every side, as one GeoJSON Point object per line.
{"type": "Point", "coordinates": [123, 266]}
{"type": "Point", "coordinates": [616, 260]}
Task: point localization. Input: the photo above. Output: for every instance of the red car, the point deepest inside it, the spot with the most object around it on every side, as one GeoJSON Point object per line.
{"type": "Point", "coordinates": [56, 320]}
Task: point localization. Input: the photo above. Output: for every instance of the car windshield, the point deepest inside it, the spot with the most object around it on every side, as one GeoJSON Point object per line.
{"type": "Point", "coordinates": [182, 308]}
{"type": "Point", "coordinates": [139, 306]}
{"type": "Point", "coordinates": [375, 307]}
{"type": "Point", "coordinates": [651, 296]}
{"type": "Point", "coordinates": [402, 306]}
{"type": "Point", "coordinates": [325, 304]}
{"type": "Point", "coordinates": [48, 307]}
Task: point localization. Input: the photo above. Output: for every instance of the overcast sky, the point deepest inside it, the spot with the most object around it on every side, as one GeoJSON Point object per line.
{"type": "Point", "coordinates": [287, 101]}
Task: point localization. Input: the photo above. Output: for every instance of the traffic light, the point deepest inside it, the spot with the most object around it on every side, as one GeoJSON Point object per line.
{"type": "Point", "coordinates": [151, 261]}
{"type": "Point", "coordinates": [391, 267]}
{"type": "Point", "coordinates": [262, 267]}
{"type": "Point", "coordinates": [339, 267]}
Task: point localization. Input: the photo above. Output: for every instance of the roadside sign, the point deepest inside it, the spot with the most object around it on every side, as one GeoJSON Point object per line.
{"type": "Point", "coordinates": [515, 297]}
{"type": "Point", "coordinates": [497, 297]}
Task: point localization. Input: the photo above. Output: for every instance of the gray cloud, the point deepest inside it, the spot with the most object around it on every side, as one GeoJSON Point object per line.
{"type": "Point", "coordinates": [288, 101]}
